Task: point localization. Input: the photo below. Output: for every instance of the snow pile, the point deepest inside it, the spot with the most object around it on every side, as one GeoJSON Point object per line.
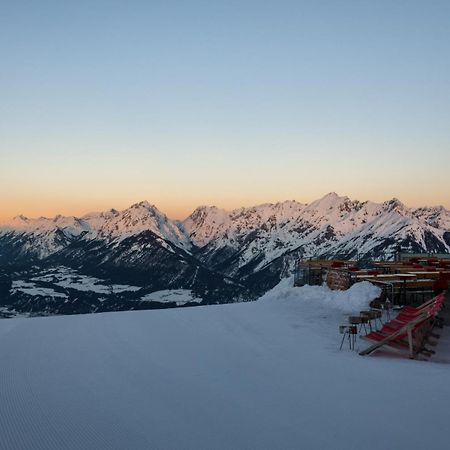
{"type": "Point", "coordinates": [353, 300]}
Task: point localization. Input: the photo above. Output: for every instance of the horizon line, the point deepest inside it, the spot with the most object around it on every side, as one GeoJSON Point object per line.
{"type": "Point", "coordinates": [152, 205]}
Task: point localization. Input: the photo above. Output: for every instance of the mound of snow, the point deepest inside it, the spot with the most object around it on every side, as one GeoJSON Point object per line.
{"type": "Point", "coordinates": [351, 301]}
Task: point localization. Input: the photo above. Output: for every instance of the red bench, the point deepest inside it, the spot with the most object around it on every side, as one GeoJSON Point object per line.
{"type": "Point", "coordinates": [408, 330]}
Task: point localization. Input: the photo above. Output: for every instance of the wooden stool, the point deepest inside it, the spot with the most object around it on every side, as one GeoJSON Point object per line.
{"type": "Point", "coordinates": [360, 320]}
{"type": "Point", "coordinates": [377, 315]}
{"type": "Point", "coordinates": [349, 330]}
{"type": "Point", "coordinates": [368, 316]}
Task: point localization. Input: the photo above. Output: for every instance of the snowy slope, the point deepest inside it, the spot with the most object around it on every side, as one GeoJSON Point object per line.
{"type": "Point", "coordinates": [136, 219]}
{"type": "Point", "coordinates": [43, 236]}
{"type": "Point", "coordinates": [437, 217]}
{"type": "Point", "coordinates": [261, 375]}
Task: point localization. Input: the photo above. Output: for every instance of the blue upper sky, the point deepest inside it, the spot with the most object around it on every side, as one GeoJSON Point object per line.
{"type": "Point", "coordinates": [104, 103]}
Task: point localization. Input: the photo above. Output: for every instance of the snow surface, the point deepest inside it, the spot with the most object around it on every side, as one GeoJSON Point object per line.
{"type": "Point", "coordinates": [261, 375]}
{"type": "Point", "coordinates": [179, 296]}
{"type": "Point", "coordinates": [33, 290]}
{"type": "Point", "coordinates": [69, 278]}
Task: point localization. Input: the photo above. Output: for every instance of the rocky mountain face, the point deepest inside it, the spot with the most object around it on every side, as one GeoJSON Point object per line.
{"type": "Point", "coordinates": [220, 255]}
{"type": "Point", "coordinates": [247, 242]}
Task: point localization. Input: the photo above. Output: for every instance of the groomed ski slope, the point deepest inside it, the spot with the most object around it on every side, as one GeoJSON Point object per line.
{"type": "Point", "coordinates": [261, 375]}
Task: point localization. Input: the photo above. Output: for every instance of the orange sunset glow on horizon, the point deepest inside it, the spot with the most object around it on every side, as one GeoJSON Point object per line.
{"type": "Point", "coordinates": [179, 207]}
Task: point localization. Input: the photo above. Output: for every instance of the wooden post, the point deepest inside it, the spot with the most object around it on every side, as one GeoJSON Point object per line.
{"type": "Point", "coordinates": [410, 342]}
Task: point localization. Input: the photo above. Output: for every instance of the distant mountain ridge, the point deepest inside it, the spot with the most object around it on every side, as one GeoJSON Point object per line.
{"type": "Point", "coordinates": [217, 252]}
{"type": "Point", "coordinates": [330, 224]}
{"type": "Point", "coordinates": [109, 225]}
{"type": "Point", "coordinates": [261, 243]}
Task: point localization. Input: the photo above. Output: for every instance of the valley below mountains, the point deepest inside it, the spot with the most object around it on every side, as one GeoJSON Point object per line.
{"type": "Point", "coordinates": [138, 258]}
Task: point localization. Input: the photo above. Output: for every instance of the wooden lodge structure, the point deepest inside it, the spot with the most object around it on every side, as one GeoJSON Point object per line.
{"type": "Point", "coordinates": [410, 279]}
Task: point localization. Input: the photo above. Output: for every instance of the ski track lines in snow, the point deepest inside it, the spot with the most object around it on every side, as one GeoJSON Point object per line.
{"type": "Point", "coordinates": [44, 393]}
{"type": "Point", "coordinates": [262, 375]}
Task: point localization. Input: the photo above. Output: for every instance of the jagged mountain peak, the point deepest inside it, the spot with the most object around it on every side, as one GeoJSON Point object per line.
{"type": "Point", "coordinates": [395, 205]}
{"type": "Point", "coordinates": [19, 220]}
{"type": "Point", "coordinates": [331, 209]}
{"type": "Point", "coordinates": [439, 209]}
{"type": "Point", "coordinates": [327, 202]}
{"type": "Point", "coordinates": [205, 223]}
{"type": "Point", "coordinates": [331, 197]}
{"type": "Point", "coordinates": [143, 204]}
{"type": "Point", "coordinates": [207, 213]}
{"type": "Point", "coordinates": [204, 210]}
{"type": "Point", "coordinates": [138, 218]}
{"type": "Point", "coordinates": [21, 217]}
{"type": "Point", "coordinates": [144, 209]}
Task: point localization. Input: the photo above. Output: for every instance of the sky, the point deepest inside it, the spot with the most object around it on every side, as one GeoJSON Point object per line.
{"type": "Point", "coordinates": [227, 103]}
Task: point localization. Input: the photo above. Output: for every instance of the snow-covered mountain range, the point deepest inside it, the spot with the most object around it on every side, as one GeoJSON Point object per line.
{"type": "Point", "coordinates": [261, 243]}
{"type": "Point", "coordinates": [213, 249]}
{"type": "Point", "coordinates": [46, 236]}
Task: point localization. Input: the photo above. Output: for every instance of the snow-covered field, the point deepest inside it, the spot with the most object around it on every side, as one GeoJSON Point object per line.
{"type": "Point", "coordinates": [71, 279]}
{"type": "Point", "coordinates": [31, 289]}
{"type": "Point", "coordinates": [179, 296]}
{"type": "Point", "coordinates": [261, 375]}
